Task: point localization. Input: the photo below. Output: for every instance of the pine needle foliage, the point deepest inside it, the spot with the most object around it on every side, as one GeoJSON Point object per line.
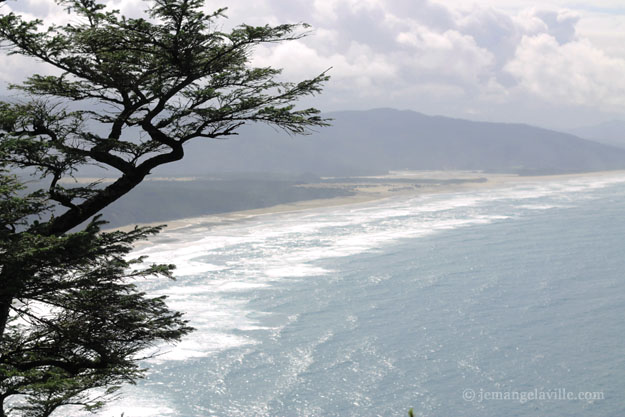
{"type": "Point", "coordinates": [127, 95]}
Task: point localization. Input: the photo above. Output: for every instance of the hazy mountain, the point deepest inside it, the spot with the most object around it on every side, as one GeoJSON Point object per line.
{"type": "Point", "coordinates": [358, 142]}
{"type": "Point", "coordinates": [383, 139]}
{"type": "Point", "coordinates": [610, 133]}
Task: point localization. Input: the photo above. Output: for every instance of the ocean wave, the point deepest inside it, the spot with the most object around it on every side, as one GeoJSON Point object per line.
{"type": "Point", "coordinates": [213, 264]}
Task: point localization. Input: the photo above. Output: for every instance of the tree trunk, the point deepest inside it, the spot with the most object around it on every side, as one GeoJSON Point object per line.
{"type": "Point", "coordinates": [5, 307]}
{"type": "Point", "coordinates": [91, 207]}
{"type": "Point", "coordinates": [119, 188]}
{"type": "Point", "coordinates": [9, 289]}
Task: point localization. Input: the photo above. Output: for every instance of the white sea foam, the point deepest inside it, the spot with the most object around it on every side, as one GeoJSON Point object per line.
{"type": "Point", "coordinates": [138, 402]}
{"type": "Point", "coordinates": [221, 269]}
{"type": "Point", "coordinates": [199, 345]}
{"type": "Point", "coordinates": [240, 258]}
{"type": "Point", "coordinates": [295, 271]}
{"type": "Point", "coordinates": [541, 206]}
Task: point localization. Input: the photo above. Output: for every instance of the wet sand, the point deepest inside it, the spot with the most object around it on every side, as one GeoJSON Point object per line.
{"type": "Point", "coordinates": [373, 188]}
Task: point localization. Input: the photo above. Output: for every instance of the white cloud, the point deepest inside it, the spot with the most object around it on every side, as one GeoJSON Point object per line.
{"type": "Point", "coordinates": [436, 56]}
{"type": "Point", "coordinates": [560, 24]}
{"type": "Point", "coordinates": [359, 70]}
{"type": "Point", "coordinates": [576, 72]}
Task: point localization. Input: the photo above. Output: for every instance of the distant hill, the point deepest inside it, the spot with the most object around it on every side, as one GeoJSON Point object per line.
{"type": "Point", "coordinates": [610, 133]}
{"type": "Point", "coordinates": [374, 141]}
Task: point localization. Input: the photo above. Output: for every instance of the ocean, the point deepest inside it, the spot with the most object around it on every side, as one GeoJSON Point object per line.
{"type": "Point", "coordinates": [493, 302]}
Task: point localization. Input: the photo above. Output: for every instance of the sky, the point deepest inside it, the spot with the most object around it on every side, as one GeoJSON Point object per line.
{"type": "Point", "coordinates": [554, 63]}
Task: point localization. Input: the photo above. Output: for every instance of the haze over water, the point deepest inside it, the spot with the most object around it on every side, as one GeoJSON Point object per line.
{"type": "Point", "coordinates": [371, 309]}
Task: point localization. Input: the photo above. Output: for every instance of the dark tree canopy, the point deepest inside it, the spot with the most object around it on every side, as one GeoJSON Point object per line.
{"type": "Point", "coordinates": [128, 95]}
{"type": "Point", "coordinates": [77, 320]}
{"type": "Point", "coordinates": [151, 85]}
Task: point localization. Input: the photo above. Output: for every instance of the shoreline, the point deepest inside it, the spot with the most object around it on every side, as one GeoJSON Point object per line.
{"type": "Point", "coordinates": [393, 185]}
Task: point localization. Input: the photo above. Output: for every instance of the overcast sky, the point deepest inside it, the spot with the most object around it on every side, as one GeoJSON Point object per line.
{"type": "Point", "coordinates": [556, 63]}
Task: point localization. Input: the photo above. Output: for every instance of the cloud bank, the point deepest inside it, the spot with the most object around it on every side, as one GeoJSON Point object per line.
{"type": "Point", "coordinates": [502, 63]}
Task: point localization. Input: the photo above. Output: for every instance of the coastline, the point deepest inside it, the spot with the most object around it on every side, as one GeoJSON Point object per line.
{"type": "Point", "coordinates": [367, 189]}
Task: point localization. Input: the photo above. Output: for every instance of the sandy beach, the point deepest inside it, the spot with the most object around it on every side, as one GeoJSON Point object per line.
{"type": "Point", "coordinates": [367, 189]}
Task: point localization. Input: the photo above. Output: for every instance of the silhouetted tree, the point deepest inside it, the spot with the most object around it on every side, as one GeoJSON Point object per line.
{"type": "Point", "coordinates": [128, 95]}
{"type": "Point", "coordinates": [77, 320]}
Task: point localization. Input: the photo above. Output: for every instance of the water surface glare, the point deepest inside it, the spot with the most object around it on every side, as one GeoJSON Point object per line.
{"type": "Point", "coordinates": [452, 304]}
